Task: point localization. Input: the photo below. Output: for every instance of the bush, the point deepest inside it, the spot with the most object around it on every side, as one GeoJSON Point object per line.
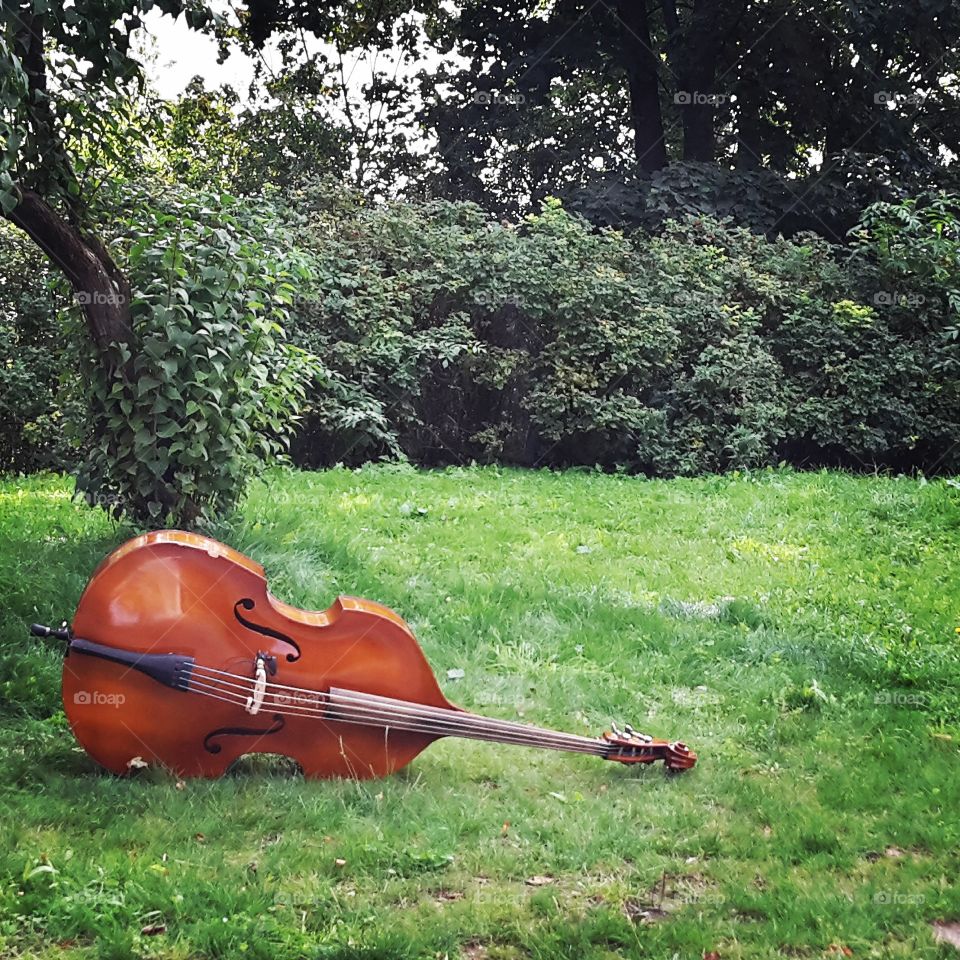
{"type": "Point", "coordinates": [832, 377]}
{"type": "Point", "coordinates": [449, 336]}
{"type": "Point", "coordinates": [828, 203]}
{"type": "Point", "coordinates": [210, 390]}
{"type": "Point", "coordinates": [452, 336]}
{"type": "Point", "coordinates": [35, 370]}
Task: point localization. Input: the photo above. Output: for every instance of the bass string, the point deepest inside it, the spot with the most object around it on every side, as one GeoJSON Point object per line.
{"type": "Point", "coordinates": [353, 714]}
{"type": "Point", "coordinates": [451, 721]}
{"type": "Point", "coordinates": [443, 714]}
{"type": "Point", "coordinates": [404, 707]}
{"type": "Point", "coordinates": [352, 717]}
{"type": "Point", "coordinates": [360, 716]}
{"type": "Point", "coordinates": [388, 701]}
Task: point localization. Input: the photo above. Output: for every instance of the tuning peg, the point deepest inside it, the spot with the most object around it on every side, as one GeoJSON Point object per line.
{"type": "Point", "coordinates": [628, 729]}
{"type": "Point", "coordinates": [617, 732]}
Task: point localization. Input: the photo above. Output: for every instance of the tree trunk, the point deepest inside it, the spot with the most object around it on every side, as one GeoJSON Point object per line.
{"type": "Point", "coordinates": [750, 126]}
{"type": "Point", "coordinates": [640, 62]}
{"type": "Point", "coordinates": [693, 59]}
{"type": "Point", "coordinates": [98, 285]}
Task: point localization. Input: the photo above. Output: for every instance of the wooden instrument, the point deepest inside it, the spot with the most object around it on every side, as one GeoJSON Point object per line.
{"type": "Point", "coordinates": [179, 656]}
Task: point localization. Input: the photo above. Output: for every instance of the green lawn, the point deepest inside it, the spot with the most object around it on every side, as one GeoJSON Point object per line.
{"type": "Point", "coordinates": [799, 631]}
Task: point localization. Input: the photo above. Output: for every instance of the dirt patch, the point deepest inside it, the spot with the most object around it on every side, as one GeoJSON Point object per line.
{"type": "Point", "coordinates": [947, 931]}
{"type": "Point", "coordinates": [670, 894]}
{"type": "Point", "coordinates": [639, 911]}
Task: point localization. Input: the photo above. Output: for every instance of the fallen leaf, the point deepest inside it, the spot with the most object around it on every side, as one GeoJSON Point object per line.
{"type": "Point", "coordinates": [893, 852]}
{"type": "Point", "coordinates": [538, 881]}
{"type": "Point", "coordinates": [136, 763]}
{"type": "Point", "coordinates": [448, 896]}
{"type": "Point", "coordinates": [181, 785]}
{"type": "Point", "coordinates": [200, 838]}
{"type": "Point", "coordinates": [841, 949]}
{"type": "Point", "coordinates": [505, 829]}
{"type": "Point", "coordinates": [339, 862]}
{"type": "Point", "coordinates": [947, 931]}
{"type": "Point", "coordinates": [153, 929]}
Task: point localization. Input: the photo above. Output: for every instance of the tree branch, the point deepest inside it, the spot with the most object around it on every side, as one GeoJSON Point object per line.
{"type": "Point", "coordinates": [101, 289]}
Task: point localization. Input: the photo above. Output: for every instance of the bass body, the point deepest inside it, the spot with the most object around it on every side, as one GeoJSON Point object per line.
{"type": "Point", "coordinates": [179, 656]}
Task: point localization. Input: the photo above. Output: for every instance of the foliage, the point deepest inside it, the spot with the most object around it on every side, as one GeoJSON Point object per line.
{"type": "Point", "coordinates": [212, 141]}
{"type": "Point", "coordinates": [447, 335]}
{"type": "Point", "coordinates": [36, 372]}
{"type": "Point", "coordinates": [827, 202]}
{"type": "Point", "coordinates": [46, 126]}
{"type": "Point", "coordinates": [211, 389]}
{"type": "Point", "coordinates": [453, 336]}
{"type": "Point", "coordinates": [797, 629]}
{"type": "Point", "coordinates": [532, 100]}
{"type": "Point", "coordinates": [917, 246]}
{"type": "Point", "coordinates": [852, 383]}
{"type": "Point", "coordinates": [348, 103]}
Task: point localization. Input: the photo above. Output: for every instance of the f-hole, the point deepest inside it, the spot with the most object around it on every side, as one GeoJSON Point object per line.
{"type": "Point", "coordinates": [249, 604]}
{"type": "Point", "coordinates": [211, 747]}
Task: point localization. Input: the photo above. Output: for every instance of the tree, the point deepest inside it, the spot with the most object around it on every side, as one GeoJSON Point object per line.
{"type": "Point", "coordinates": [61, 68]}
{"type": "Point", "coordinates": [534, 99]}
{"type": "Point", "coordinates": [192, 385]}
{"type": "Point", "coordinates": [209, 139]}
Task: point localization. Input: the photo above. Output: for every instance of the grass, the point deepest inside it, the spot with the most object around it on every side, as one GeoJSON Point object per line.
{"type": "Point", "coordinates": [798, 630]}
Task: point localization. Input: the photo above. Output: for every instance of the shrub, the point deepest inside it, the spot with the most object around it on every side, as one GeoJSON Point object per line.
{"type": "Point", "coordinates": [211, 390]}
{"type": "Point", "coordinates": [831, 377]}
{"type": "Point", "coordinates": [462, 337]}
{"type": "Point", "coordinates": [447, 335]}
{"type": "Point", "coordinates": [35, 370]}
{"type": "Point", "coordinates": [452, 336]}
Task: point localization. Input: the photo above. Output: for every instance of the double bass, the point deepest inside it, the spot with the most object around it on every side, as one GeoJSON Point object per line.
{"type": "Point", "coordinates": [179, 656]}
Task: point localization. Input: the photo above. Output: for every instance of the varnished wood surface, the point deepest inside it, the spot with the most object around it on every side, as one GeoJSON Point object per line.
{"type": "Point", "coordinates": [175, 592]}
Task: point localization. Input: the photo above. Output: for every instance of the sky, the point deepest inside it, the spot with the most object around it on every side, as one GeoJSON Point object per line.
{"type": "Point", "coordinates": [178, 54]}
{"type": "Point", "coordinates": [173, 55]}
